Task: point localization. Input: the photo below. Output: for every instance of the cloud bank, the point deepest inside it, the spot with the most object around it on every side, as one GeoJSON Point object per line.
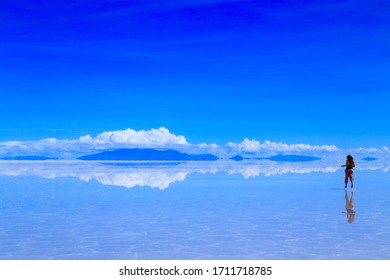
{"type": "Point", "coordinates": [71, 148]}
{"type": "Point", "coordinates": [162, 138]}
{"type": "Point", "coordinates": [255, 146]}
{"type": "Point", "coordinates": [144, 138]}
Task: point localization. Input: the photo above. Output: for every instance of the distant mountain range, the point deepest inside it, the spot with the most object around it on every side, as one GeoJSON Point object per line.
{"type": "Point", "coordinates": [166, 155]}
{"type": "Point", "coordinates": [293, 158]}
{"type": "Point", "coordinates": [29, 158]}
{"type": "Point", "coordinates": [288, 158]}
{"type": "Point", "coordinates": [147, 154]}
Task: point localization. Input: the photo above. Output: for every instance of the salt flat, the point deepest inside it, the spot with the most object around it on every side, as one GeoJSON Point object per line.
{"type": "Point", "coordinates": [226, 210]}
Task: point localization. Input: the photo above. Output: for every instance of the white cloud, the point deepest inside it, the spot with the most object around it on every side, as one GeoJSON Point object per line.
{"type": "Point", "coordinates": [208, 146]}
{"type": "Point", "coordinates": [144, 138]}
{"type": "Point", "coordinates": [282, 147]}
{"type": "Point", "coordinates": [245, 146]}
{"type": "Point", "coordinates": [255, 146]}
{"type": "Point", "coordinates": [369, 150]}
{"type": "Point", "coordinates": [162, 138]}
{"type": "Point", "coordinates": [68, 148]}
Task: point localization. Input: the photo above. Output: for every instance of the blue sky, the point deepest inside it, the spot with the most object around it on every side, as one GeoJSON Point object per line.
{"type": "Point", "coordinates": [311, 72]}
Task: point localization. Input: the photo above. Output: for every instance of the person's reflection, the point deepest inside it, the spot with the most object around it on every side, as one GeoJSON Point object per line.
{"type": "Point", "coordinates": [350, 207]}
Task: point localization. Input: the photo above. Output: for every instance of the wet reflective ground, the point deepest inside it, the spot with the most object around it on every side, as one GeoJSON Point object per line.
{"type": "Point", "coordinates": [220, 210]}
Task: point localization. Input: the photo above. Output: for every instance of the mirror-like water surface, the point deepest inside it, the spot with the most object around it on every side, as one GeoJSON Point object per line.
{"type": "Point", "coordinates": [218, 210]}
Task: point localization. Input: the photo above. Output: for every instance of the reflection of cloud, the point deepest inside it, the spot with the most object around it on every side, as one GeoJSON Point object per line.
{"type": "Point", "coordinates": [277, 168]}
{"type": "Point", "coordinates": [151, 178]}
{"type": "Point", "coordinates": [112, 175]}
{"type": "Point", "coordinates": [162, 174]}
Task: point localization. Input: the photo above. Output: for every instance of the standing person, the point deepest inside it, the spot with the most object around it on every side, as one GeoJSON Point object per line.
{"type": "Point", "coordinates": [349, 165]}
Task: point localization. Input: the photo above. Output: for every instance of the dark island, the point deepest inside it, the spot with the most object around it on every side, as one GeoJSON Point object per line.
{"type": "Point", "coordinates": [369, 158]}
{"type": "Point", "coordinates": [237, 158]}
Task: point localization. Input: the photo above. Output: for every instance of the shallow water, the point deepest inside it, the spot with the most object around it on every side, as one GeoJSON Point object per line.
{"type": "Point", "coordinates": [219, 210]}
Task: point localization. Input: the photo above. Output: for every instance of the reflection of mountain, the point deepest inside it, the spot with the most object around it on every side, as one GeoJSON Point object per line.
{"type": "Point", "coordinates": [163, 174]}
{"type": "Point", "coordinates": [146, 154]}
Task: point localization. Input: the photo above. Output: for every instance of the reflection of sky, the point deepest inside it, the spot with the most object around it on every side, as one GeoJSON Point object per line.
{"type": "Point", "coordinates": [162, 174]}
{"type": "Point", "coordinates": [207, 216]}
